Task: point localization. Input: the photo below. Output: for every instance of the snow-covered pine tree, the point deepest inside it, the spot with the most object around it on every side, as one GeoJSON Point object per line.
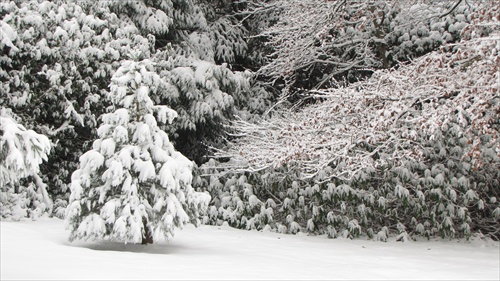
{"type": "Point", "coordinates": [133, 186]}
{"type": "Point", "coordinates": [21, 153]}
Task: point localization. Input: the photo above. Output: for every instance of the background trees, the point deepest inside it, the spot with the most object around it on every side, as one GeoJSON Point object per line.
{"type": "Point", "coordinates": [321, 44]}
{"type": "Point", "coordinates": [400, 152]}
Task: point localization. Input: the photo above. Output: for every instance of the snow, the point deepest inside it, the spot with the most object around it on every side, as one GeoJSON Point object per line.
{"type": "Point", "coordinates": [7, 35]}
{"type": "Point", "coordinates": [142, 133]}
{"type": "Point", "coordinates": [165, 114]}
{"type": "Point", "coordinates": [146, 170]}
{"type": "Point", "coordinates": [39, 250]}
{"type": "Point", "coordinates": [166, 177]}
{"type": "Point", "coordinates": [114, 174]}
{"type": "Point", "coordinates": [92, 159]}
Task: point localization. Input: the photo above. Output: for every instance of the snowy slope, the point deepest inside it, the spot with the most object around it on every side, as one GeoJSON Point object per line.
{"type": "Point", "coordinates": [39, 250]}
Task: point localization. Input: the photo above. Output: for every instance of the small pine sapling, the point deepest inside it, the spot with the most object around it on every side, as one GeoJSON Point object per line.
{"type": "Point", "coordinates": [133, 186]}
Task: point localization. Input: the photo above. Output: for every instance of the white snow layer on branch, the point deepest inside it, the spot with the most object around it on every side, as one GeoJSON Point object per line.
{"type": "Point", "coordinates": [22, 150]}
{"type": "Point", "coordinates": [7, 36]}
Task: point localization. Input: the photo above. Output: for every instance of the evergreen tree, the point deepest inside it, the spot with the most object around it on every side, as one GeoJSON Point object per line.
{"type": "Point", "coordinates": [133, 186]}
{"type": "Point", "coordinates": [21, 153]}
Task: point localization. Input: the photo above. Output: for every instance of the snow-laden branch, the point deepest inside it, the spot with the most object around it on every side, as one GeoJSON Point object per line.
{"type": "Point", "coordinates": [387, 119]}
{"type": "Point", "coordinates": [21, 150]}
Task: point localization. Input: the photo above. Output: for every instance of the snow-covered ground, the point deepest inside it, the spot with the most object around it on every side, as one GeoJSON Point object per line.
{"type": "Point", "coordinates": [39, 250]}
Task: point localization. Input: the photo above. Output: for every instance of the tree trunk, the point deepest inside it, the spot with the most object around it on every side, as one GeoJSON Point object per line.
{"type": "Point", "coordinates": [147, 236]}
